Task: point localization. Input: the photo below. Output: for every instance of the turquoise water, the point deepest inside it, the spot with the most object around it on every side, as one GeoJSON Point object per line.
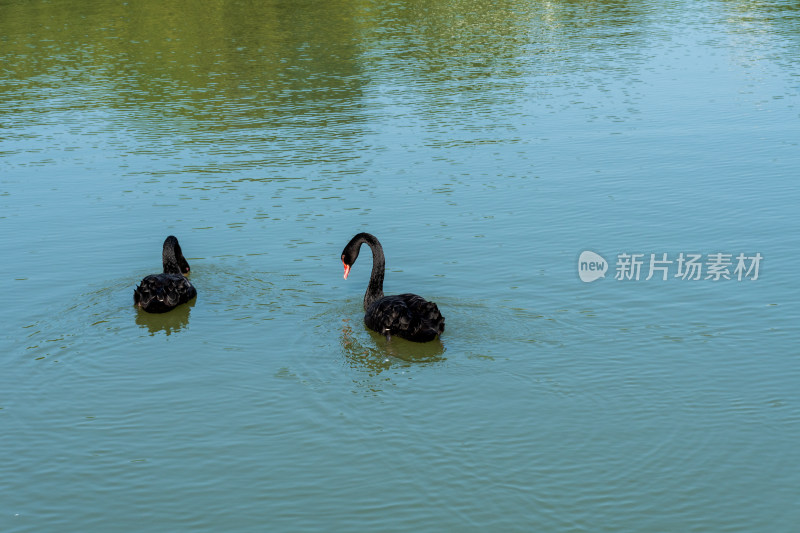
{"type": "Point", "coordinates": [487, 145]}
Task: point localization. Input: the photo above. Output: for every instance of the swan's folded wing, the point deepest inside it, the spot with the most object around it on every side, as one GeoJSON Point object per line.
{"type": "Point", "coordinates": [407, 315]}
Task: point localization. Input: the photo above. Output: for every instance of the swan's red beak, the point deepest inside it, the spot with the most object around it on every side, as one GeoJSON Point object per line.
{"type": "Point", "coordinates": [346, 269]}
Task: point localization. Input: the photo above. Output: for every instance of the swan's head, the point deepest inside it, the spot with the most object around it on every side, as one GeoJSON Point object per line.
{"type": "Point", "coordinates": [349, 255]}
{"type": "Point", "coordinates": [350, 252]}
{"type": "Point", "coordinates": [184, 265]}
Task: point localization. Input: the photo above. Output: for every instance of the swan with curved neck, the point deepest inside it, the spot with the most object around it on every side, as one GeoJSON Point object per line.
{"type": "Point", "coordinates": [406, 315]}
{"type": "Point", "coordinates": [159, 293]}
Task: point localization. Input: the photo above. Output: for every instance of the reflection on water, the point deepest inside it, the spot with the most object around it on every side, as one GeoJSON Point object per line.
{"type": "Point", "coordinates": [169, 322]}
{"type": "Point", "coordinates": [377, 354]}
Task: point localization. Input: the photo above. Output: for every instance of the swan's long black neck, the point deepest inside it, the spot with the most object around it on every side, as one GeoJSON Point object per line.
{"type": "Point", "coordinates": [172, 257]}
{"type": "Point", "coordinates": [375, 287]}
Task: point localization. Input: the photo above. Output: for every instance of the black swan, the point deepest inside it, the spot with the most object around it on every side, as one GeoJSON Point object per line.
{"type": "Point", "coordinates": [406, 315]}
{"type": "Point", "coordinates": [159, 293]}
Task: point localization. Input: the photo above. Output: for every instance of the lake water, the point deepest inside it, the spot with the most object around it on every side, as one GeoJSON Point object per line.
{"type": "Point", "coordinates": [487, 144]}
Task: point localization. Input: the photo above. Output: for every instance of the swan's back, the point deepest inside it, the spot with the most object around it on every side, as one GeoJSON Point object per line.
{"type": "Point", "coordinates": [406, 315]}
{"type": "Point", "coordinates": [159, 293]}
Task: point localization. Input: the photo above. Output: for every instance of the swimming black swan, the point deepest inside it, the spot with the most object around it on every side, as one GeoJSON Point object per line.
{"type": "Point", "coordinates": [159, 293]}
{"type": "Point", "coordinates": [406, 315]}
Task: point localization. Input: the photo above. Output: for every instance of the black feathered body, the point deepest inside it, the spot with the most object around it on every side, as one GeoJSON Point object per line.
{"type": "Point", "coordinates": [159, 293]}
{"type": "Point", "coordinates": [408, 316]}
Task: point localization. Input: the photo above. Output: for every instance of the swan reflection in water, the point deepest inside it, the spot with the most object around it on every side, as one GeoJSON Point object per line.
{"type": "Point", "coordinates": [377, 354]}
{"type": "Point", "coordinates": [170, 322]}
